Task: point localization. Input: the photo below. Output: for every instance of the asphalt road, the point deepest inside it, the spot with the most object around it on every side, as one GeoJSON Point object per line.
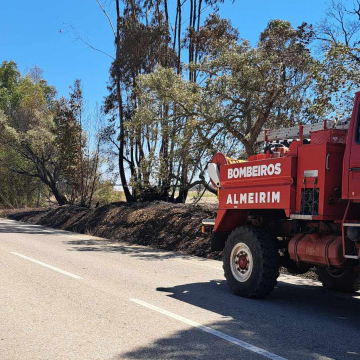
{"type": "Point", "coordinates": [70, 296]}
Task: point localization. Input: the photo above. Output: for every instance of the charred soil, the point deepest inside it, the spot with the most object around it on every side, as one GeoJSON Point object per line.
{"type": "Point", "coordinates": [175, 227]}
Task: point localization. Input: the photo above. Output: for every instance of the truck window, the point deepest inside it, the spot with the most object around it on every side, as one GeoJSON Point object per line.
{"type": "Point", "coordinates": [357, 131]}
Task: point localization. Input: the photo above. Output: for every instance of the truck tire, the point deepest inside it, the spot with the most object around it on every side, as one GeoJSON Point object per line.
{"type": "Point", "coordinates": [344, 280]}
{"type": "Point", "coordinates": [251, 262]}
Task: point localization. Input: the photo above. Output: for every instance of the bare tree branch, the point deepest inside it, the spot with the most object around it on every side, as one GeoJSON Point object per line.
{"type": "Point", "coordinates": [87, 42]}
{"type": "Point", "coordinates": [108, 17]}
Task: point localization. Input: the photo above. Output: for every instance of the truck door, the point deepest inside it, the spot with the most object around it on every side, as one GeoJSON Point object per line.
{"type": "Point", "coordinates": [353, 167]}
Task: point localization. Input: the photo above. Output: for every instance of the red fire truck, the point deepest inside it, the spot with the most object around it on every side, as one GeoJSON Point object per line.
{"type": "Point", "coordinates": [296, 205]}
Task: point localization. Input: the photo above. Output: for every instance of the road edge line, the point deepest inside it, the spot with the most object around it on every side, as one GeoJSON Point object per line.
{"type": "Point", "coordinates": [48, 266]}
{"type": "Point", "coordinates": [211, 331]}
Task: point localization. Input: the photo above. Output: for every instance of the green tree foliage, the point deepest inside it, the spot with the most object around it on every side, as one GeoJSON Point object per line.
{"type": "Point", "coordinates": [158, 119]}
{"type": "Point", "coordinates": [106, 193]}
{"type": "Point", "coordinates": [172, 105]}
{"type": "Point", "coordinates": [67, 139]}
{"type": "Point", "coordinates": [79, 159]}
{"type": "Point", "coordinates": [9, 81]}
{"type": "Point", "coordinates": [248, 88]}
{"type": "Point", "coordinates": [143, 39]}
{"type": "Point", "coordinates": [28, 132]}
{"type": "Point", "coordinates": [15, 191]}
{"type": "Point", "coordinates": [243, 90]}
{"type": "Point", "coordinates": [42, 142]}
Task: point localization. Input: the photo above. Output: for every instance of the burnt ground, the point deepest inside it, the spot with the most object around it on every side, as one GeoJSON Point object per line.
{"type": "Point", "coordinates": [174, 227]}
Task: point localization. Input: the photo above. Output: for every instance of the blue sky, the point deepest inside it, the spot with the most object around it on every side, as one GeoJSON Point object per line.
{"type": "Point", "coordinates": [30, 35]}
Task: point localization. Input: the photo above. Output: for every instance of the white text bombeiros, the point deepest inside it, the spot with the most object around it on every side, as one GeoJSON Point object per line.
{"type": "Point", "coordinates": [254, 171]}
{"type": "Point", "coordinates": [261, 197]}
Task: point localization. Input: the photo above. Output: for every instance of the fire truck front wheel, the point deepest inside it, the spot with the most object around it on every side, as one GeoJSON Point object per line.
{"type": "Point", "coordinates": [344, 280]}
{"type": "Point", "coordinates": [251, 262]}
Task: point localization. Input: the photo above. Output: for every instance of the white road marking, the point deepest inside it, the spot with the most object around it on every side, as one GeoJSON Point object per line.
{"type": "Point", "coordinates": [209, 330]}
{"type": "Point", "coordinates": [49, 266]}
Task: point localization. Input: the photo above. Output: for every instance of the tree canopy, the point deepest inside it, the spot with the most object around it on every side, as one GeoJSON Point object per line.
{"type": "Point", "coordinates": [42, 141]}
{"type": "Point", "coordinates": [182, 86]}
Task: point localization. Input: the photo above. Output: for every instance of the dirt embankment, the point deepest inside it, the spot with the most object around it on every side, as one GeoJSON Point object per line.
{"type": "Point", "coordinates": [175, 227]}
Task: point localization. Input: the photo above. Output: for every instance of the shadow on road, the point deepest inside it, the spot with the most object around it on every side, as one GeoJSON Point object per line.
{"type": "Point", "coordinates": [21, 216]}
{"type": "Point", "coordinates": [8, 228]}
{"type": "Point", "coordinates": [137, 251]}
{"type": "Point", "coordinates": [300, 321]}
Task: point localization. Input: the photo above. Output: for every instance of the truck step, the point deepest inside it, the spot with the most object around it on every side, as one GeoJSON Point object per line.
{"type": "Point", "coordinates": [355, 257]}
{"type": "Point", "coordinates": [301, 217]}
{"type": "Point", "coordinates": [208, 222]}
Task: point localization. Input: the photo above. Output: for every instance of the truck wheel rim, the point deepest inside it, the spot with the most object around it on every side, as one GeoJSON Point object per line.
{"type": "Point", "coordinates": [241, 262]}
{"type": "Point", "coordinates": [336, 272]}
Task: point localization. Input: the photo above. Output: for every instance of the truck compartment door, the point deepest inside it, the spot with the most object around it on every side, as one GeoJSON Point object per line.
{"type": "Point", "coordinates": [354, 161]}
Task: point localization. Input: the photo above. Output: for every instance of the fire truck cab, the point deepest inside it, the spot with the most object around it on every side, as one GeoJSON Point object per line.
{"type": "Point", "coordinates": [295, 205]}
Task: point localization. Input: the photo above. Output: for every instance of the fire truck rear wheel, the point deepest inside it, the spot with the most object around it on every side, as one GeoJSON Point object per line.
{"type": "Point", "coordinates": [251, 262]}
{"type": "Point", "coordinates": [344, 280]}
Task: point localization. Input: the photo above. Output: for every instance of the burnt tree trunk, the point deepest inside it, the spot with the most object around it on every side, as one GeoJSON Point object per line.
{"type": "Point", "coordinates": [128, 195]}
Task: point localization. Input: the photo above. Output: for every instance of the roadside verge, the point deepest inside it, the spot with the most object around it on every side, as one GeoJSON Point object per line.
{"type": "Point", "coordinates": [174, 227]}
